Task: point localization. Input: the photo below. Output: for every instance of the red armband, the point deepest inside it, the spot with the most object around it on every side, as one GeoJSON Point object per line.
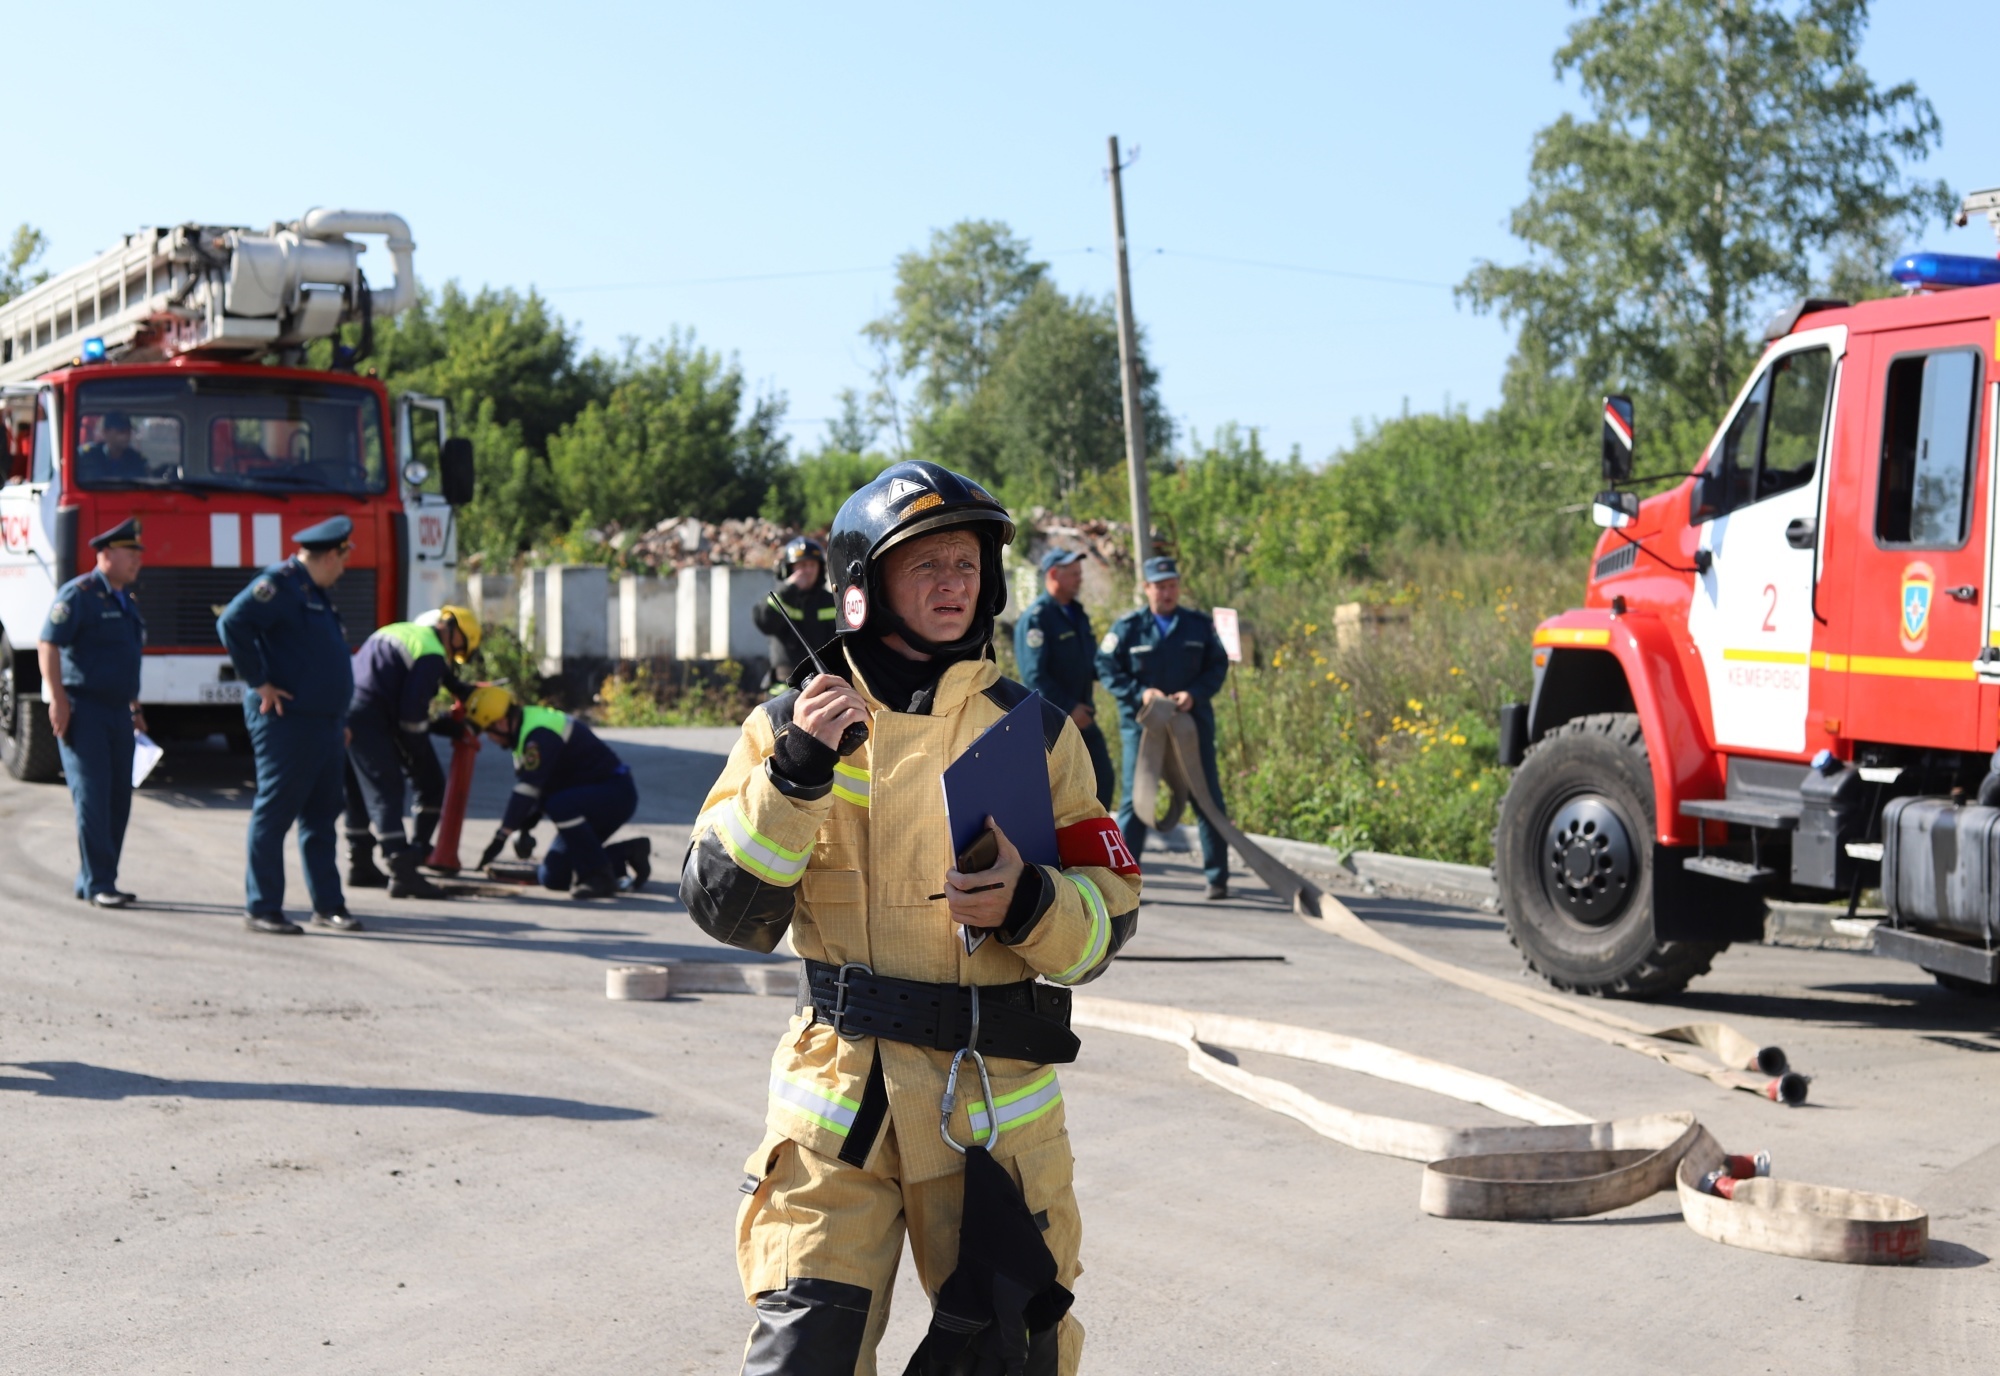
{"type": "Point", "coordinates": [1096, 842]}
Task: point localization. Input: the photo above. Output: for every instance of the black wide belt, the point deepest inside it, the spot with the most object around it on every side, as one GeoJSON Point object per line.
{"type": "Point", "coordinates": [1027, 1021]}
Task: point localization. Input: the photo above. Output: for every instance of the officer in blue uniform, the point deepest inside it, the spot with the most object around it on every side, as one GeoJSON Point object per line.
{"type": "Point", "coordinates": [291, 655]}
{"type": "Point", "coordinates": [562, 770]}
{"type": "Point", "coordinates": [1166, 650]}
{"type": "Point", "coordinates": [1057, 654]}
{"type": "Point", "coordinates": [89, 653]}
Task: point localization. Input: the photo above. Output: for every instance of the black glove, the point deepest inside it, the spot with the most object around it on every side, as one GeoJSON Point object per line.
{"type": "Point", "coordinates": [492, 851]}
{"type": "Point", "coordinates": [524, 844]}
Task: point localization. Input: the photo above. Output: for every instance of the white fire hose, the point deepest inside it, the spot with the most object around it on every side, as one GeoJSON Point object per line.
{"type": "Point", "coordinates": [1561, 1166]}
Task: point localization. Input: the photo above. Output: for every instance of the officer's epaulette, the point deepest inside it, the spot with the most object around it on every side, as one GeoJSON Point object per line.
{"type": "Point", "coordinates": [1007, 695]}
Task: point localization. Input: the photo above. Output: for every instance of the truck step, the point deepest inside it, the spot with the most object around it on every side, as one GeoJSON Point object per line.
{"type": "Point", "coordinates": [1744, 812]}
{"type": "Point", "coordinates": [1732, 871]}
{"type": "Point", "coordinates": [1937, 955]}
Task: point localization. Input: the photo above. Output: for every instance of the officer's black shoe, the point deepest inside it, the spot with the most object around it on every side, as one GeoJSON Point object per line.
{"type": "Point", "coordinates": [275, 924]}
{"type": "Point", "coordinates": [603, 884]}
{"type": "Point", "coordinates": [406, 882]}
{"type": "Point", "coordinates": [339, 922]}
{"type": "Point", "coordinates": [361, 870]}
{"type": "Point", "coordinates": [1217, 892]}
{"type": "Point", "coordinates": [112, 899]}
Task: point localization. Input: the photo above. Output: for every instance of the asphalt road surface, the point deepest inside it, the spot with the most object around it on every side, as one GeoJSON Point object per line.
{"type": "Point", "coordinates": [437, 1147]}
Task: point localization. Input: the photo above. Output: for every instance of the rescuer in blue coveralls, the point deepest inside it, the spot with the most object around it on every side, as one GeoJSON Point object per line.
{"type": "Point", "coordinates": [1056, 651]}
{"type": "Point", "coordinates": [1166, 650]}
{"type": "Point", "coordinates": [291, 655]}
{"type": "Point", "coordinates": [397, 673]}
{"type": "Point", "coordinates": [563, 771]}
{"type": "Point", "coordinates": [89, 653]}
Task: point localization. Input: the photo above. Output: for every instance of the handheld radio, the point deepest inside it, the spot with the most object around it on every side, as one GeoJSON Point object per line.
{"type": "Point", "coordinates": [855, 736]}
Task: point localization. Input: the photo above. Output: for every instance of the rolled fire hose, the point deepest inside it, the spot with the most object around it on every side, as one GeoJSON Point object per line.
{"type": "Point", "coordinates": [1563, 1165]}
{"type": "Point", "coordinates": [1170, 755]}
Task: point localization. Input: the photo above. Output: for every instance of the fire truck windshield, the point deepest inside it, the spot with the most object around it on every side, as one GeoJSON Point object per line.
{"type": "Point", "coordinates": [229, 433]}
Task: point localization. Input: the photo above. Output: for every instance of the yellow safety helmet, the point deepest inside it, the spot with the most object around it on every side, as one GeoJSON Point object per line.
{"type": "Point", "coordinates": [464, 619]}
{"type": "Point", "coordinates": [487, 704]}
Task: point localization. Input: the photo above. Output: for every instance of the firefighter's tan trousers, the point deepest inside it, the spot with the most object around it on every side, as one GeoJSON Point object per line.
{"type": "Point", "coordinates": [816, 1216]}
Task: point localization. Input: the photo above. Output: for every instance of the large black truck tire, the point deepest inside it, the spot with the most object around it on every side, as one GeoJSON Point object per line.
{"type": "Point", "coordinates": [27, 743]}
{"type": "Point", "coordinates": [1573, 855]}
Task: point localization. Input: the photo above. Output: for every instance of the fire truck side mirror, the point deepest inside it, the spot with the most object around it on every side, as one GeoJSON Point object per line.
{"type": "Point", "coordinates": [1614, 510]}
{"type": "Point", "coordinates": [455, 470]}
{"type": "Point", "coordinates": [1617, 463]}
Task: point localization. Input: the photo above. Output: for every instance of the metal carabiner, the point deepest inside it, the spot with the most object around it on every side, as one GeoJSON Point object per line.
{"type": "Point", "coordinates": [950, 1099]}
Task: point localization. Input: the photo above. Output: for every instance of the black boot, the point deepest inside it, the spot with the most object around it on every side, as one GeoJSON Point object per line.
{"type": "Point", "coordinates": [405, 882]}
{"type": "Point", "coordinates": [636, 857]}
{"type": "Point", "coordinates": [361, 871]}
{"type": "Point", "coordinates": [602, 883]}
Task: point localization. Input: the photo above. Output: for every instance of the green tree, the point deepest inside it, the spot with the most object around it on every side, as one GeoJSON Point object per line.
{"type": "Point", "coordinates": [25, 249]}
{"type": "Point", "coordinates": [670, 438]}
{"type": "Point", "coordinates": [807, 494]}
{"type": "Point", "coordinates": [952, 303]}
{"type": "Point", "coordinates": [1731, 148]}
{"type": "Point", "coordinates": [1056, 399]}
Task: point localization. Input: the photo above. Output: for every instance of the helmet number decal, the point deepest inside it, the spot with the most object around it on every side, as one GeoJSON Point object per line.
{"type": "Point", "coordinates": [854, 607]}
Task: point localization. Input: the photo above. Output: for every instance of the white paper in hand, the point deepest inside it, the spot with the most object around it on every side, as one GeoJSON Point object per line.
{"type": "Point", "coordinates": [145, 754]}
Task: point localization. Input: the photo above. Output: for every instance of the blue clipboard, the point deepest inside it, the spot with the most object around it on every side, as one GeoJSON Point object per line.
{"type": "Point", "coordinates": [1004, 774]}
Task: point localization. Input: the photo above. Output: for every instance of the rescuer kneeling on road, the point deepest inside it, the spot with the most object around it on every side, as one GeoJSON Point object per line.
{"type": "Point", "coordinates": [397, 673]}
{"type": "Point", "coordinates": [89, 653]}
{"type": "Point", "coordinates": [851, 852]}
{"type": "Point", "coordinates": [284, 636]}
{"type": "Point", "coordinates": [1165, 650]}
{"type": "Point", "coordinates": [564, 772]}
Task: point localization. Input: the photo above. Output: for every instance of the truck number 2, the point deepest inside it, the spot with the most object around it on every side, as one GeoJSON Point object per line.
{"type": "Point", "coordinates": [1771, 607]}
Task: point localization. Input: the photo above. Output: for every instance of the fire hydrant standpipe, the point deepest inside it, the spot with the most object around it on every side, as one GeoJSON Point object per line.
{"type": "Point", "coordinates": [457, 789]}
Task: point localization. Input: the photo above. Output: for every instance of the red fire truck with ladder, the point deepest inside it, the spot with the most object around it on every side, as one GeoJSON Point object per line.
{"type": "Point", "coordinates": [166, 380]}
{"type": "Point", "coordinates": [1785, 677]}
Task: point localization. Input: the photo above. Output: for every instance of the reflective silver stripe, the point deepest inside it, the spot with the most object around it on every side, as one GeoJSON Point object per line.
{"type": "Point", "coordinates": [528, 790]}
{"type": "Point", "coordinates": [836, 1115]}
{"type": "Point", "coordinates": [416, 726]}
{"type": "Point", "coordinates": [1100, 930]}
{"type": "Point", "coordinates": [759, 854]}
{"type": "Point", "coordinates": [572, 822]}
{"type": "Point", "coordinates": [1022, 1106]}
{"type": "Point", "coordinates": [851, 783]}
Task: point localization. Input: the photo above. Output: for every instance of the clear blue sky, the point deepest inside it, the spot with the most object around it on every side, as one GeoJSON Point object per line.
{"type": "Point", "coordinates": [623, 158]}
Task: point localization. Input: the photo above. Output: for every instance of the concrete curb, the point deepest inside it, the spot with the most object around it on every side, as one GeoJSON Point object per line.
{"type": "Point", "coordinates": [1814, 925]}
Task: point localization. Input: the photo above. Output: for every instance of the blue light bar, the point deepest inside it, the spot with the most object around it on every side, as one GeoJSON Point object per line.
{"type": "Point", "coordinates": [93, 350]}
{"type": "Point", "coordinates": [1945, 270]}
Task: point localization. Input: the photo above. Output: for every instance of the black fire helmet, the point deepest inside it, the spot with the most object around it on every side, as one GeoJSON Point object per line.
{"type": "Point", "coordinates": [906, 500]}
{"type": "Point", "coordinates": [801, 547]}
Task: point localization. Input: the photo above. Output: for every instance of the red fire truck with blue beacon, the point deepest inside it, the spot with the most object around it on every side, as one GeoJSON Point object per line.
{"type": "Point", "coordinates": [166, 379]}
{"type": "Point", "coordinates": [1785, 677]}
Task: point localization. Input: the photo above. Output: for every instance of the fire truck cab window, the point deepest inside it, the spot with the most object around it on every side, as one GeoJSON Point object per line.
{"type": "Point", "coordinates": [1928, 422]}
{"type": "Point", "coordinates": [253, 434]}
{"type": "Point", "coordinates": [1773, 444]}
{"type": "Point", "coordinates": [45, 440]}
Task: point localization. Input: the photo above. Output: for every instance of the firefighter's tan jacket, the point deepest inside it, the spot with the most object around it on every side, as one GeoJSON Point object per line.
{"type": "Point", "coordinates": [852, 872]}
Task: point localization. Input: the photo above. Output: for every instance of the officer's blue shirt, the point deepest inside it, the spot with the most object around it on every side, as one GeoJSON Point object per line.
{"type": "Point", "coordinates": [549, 761]}
{"type": "Point", "coordinates": [1185, 656]}
{"type": "Point", "coordinates": [283, 630]}
{"type": "Point", "coordinates": [388, 681]}
{"type": "Point", "coordinates": [102, 637]}
{"type": "Point", "coordinates": [1054, 650]}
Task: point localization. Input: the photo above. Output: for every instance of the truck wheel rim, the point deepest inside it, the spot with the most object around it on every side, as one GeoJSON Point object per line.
{"type": "Point", "coordinates": [7, 699]}
{"type": "Point", "coordinates": [1588, 861]}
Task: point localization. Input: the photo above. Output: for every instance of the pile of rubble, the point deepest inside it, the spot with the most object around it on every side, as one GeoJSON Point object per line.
{"type": "Point", "coordinates": [1110, 542]}
{"type": "Point", "coordinates": [683, 541]}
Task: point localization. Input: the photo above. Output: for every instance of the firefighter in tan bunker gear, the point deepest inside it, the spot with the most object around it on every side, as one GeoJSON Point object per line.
{"type": "Point", "coordinates": [850, 853]}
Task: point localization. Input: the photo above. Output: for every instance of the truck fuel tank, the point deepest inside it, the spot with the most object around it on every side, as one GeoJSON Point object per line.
{"type": "Point", "coordinates": [1941, 866]}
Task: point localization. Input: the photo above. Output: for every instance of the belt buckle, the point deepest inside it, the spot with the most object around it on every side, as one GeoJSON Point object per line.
{"type": "Point", "coordinates": [837, 1015]}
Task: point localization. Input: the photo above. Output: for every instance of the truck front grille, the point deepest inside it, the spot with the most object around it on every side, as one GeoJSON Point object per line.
{"type": "Point", "coordinates": [180, 604]}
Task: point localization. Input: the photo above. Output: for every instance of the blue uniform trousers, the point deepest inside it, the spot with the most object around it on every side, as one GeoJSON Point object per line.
{"type": "Point", "coordinates": [97, 760]}
{"type": "Point", "coordinates": [584, 816]}
{"type": "Point", "coordinates": [1214, 850]}
{"type": "Point", "coordinates": [1100, 761]}
{"type": "Point", "coordinates": [377, 759]}
{"type": "Point", "coordinates": [301, 777]}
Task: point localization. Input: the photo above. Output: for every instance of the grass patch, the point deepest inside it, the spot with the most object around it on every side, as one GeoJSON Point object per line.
{"type": "Point", "coordinates": [703, 696]}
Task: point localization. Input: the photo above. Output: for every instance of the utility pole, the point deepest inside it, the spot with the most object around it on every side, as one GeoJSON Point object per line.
{"type": "Point", "coordinates": [1128, 379]}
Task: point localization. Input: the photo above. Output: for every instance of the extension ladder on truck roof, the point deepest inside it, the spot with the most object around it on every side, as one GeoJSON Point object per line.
{"type": "Point", "coordinates": [211, 289]}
